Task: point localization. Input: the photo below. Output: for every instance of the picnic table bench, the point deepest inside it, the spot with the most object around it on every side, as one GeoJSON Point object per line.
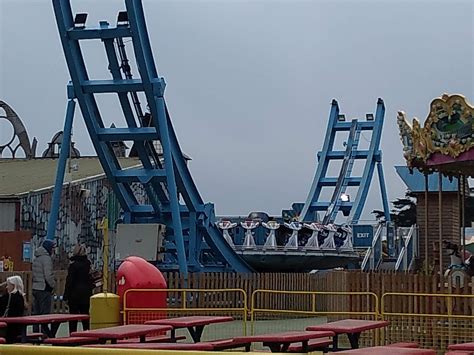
{"type": "Point", "coordinates": [77, 341]}
{"type": "Point", "coordinates": [194, 324]}
{"type": "Point", "coordinates": [280, 342]}
{"type": "Point", "coordinates": [464, 346]}
{"type": "Point", "coordinates": [214, 345]}
{"type": "Point", "coordinates": [122, 332]}
{"type": "Point", "coordinates": [352, 327]}
{"type": "Point", "coordinates": [388, 350]}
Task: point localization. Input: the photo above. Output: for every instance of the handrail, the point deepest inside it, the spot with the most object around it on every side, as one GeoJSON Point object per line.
{"type": "Point", "coordinates": [370, 254]}
{"type": "Point", "coordinates": [401, 256]}
{"type": "Point", "coordinates": [406, 257]}
{"type": "Point", "coordinates": [366, 258]}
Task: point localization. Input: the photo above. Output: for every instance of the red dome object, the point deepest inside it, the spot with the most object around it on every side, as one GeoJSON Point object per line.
{"type": "Point", "coordinates": [138, 274]}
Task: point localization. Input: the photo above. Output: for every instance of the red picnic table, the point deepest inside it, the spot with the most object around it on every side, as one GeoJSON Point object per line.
{"type": "Point", "coordinates": [352, 327]}
{"type": "Point", "coordinates": [122, 332]}
{"type": "Point", "coordinates": [464, 346]}
{"type": "Point", "coordinates": [194, 324]}
{"type": "Point", "coordinates": [280, 342]}
{"type": "Point", "coordinates": [157, 346]}
{"type": "Point", "coordinates": [388, 350]}
{"type": "Point", "coordinates": [49, 322]}
{"type": "Point", "coordinates": [214, 345]}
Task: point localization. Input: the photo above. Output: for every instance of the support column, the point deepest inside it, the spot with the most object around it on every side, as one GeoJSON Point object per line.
{"type": "Point", "coordinates": [440, 222]}
{"type": "Point", "coordinates": [63, 156]}
{"type": "Point", "coordinates": [426, 221]}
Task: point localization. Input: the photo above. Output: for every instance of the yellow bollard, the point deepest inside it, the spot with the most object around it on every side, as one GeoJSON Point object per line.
{"type": "Point", "coordinates": [104, 310]}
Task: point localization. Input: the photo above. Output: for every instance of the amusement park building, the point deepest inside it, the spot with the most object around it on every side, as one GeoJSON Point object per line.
{"type": "Point", "coordinates": [26, 187]}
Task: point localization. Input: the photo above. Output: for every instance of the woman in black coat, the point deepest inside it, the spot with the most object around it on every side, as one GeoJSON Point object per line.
{"type": "Point", "coordinates": [12, 304]}
{"type": "Point", "coordinates": [79, 286]}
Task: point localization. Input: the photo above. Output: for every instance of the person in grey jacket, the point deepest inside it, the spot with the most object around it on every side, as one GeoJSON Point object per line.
{"type": "Point", "coordinates": [43, 278]}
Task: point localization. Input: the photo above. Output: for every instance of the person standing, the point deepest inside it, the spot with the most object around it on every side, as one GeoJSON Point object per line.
{"type": "Point", "coordinates": [43, 279]}
{"type": "Point", "coordinates": [79, 286]}
{"type": "Point", "coordinates": [12, 304]}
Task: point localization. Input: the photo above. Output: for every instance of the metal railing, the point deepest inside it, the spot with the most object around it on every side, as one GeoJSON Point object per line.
{"type": "Point", "coordinates": [373, 255]}
{"type": "Point", "coordinates": [409, 251]}
{"type": "Point", "coordinates": [184, 302]}
{"type": "Point", "coordinates": [433, 320]}
{"type": "Point", "coordinates": [280, 311]}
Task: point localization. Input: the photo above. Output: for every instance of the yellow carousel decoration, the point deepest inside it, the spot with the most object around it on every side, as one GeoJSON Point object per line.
{"type": "Point", "coordinates": [446, 141]}
{"type": "Point", "coordinates": [445, 144]}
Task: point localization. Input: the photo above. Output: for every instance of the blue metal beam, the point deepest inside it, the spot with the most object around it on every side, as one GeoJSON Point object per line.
{"type": "Point", "coordinates": [339, 154]}
{"type": "Point", "coordinates": [383, 192]}
{"type": "Point", "coordinates": [346, 126]}
{"type": "Point", "coordinates": [127, 134]}
{"type": "Point", "coordinates": [63, 157]}
{"type": "Point", "coordinates": [332, 181]}
{"type": "Point", "coordinates": [98, 33]}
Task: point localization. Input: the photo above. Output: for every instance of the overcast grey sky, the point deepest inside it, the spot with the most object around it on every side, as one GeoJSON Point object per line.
{"type": "Point", "coordinates": [249, 83]}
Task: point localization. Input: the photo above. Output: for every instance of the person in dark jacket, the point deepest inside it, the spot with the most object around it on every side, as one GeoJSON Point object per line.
{"type": "Point", "coordinates": [12, 304]}
{"type": "Point", "coordinates": [43, 279]}
{"type": "Point", "coordinates": [79, 286]}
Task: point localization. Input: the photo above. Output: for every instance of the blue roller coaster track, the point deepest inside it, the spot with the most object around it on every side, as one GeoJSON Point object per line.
{"type": "Point", "coordinates": [193, 242]}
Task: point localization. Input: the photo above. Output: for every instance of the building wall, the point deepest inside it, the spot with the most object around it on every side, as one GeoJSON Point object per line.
{"type": "Point", "coordinates": [9, 216]}
{"type": "Point", "coordinates": [11, 248]}
{"type": "Point", "coordinates": [450, 215]}
{"type": "Point", "coordinates": [78, 219]}
{"type": "Point", "coordinates": [83, 206]}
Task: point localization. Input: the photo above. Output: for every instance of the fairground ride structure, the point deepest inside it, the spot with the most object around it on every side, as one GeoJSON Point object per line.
{"type": "Point", "coordinates": [193, 241]}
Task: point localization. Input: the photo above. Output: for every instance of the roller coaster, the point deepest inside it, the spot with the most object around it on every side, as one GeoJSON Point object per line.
{"type": "Point", "coordinates": [195, 240]}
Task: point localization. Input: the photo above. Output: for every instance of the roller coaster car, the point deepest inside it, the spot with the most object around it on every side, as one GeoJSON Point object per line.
{"type": "Point", "coordinates": [259, 216]}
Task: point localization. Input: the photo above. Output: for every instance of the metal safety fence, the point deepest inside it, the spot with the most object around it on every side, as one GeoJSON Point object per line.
{"type": "Point", "coordinates": [432, 320]}
{"type": "Point", "coordinates": [274, 310]}
{"type": "Point", "coordinates": [429, 319]}
{"type": "Point", "coordinates": [141, 305]}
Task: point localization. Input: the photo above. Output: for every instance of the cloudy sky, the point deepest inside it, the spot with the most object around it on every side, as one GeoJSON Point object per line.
{"type": "Point", "coordinates": [249, 83]}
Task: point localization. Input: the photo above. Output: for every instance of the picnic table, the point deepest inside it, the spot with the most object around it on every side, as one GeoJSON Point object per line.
{"type": "Point", "coordinates": [280, 342]}
{"type": "Point", "coordinates": [122, 332]}
{"type": "Point", "coordinates": [49, 322]}
{"type": "Point", "coordinates": [152, 346]}
{"type": "Point", "coordinates": [214, 345]}
{"type": "Point", "coordinates": [388, 350]}
{"type": "Point", "coordinates": [194, 324]}
{"type": "Point", "coordinates": [464, 346]}
{"type": "Point", "coordinates": [352, 327]}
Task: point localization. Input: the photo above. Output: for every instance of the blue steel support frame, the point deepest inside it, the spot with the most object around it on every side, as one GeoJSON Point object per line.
{"type": "Point", "coordinates": [61, 169]}
{"type": "Point", "coordinates": [190, 227]}
{"type": "Point", "coordinates": [383, 190]}
{"type": "Point", "coordinates": [323, 163]}
{"type": "Point", "coordinates": [372, 156]}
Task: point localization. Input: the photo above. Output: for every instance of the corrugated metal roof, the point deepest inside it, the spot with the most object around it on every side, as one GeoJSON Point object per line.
{"type": "Point", "coordinates": [18, 176]}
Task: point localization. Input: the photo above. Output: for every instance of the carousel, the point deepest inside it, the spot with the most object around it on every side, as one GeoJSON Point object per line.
{"type": "Point", "coordinates": [444, 145]}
